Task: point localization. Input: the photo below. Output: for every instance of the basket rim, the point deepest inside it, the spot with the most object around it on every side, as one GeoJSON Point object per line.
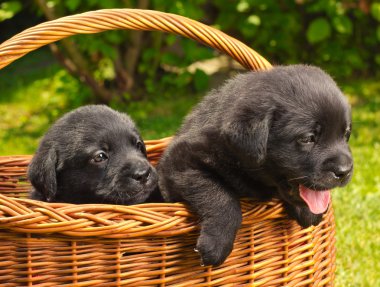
{"type": "Point", "coordinates": [116, 221]}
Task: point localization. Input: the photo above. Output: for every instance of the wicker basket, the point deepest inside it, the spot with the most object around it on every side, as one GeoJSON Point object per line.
{"type": "Point", "coordinates": [54, 244]}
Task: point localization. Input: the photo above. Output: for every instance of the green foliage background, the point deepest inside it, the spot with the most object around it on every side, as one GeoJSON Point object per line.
{"type": "Point", "coordinates": [341, 36]}
{"type": "Point", "coordinates": [283, 31]}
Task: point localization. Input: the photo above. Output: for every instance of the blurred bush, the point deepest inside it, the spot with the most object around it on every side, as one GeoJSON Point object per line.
{"type": "Point", "coordinates": [341, 36]}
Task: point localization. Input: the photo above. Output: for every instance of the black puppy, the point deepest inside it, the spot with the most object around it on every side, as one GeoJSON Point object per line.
{"type": "Point", "coordinates": [282, 132]}
{"type": "Point", "coordinates": [92, 155]}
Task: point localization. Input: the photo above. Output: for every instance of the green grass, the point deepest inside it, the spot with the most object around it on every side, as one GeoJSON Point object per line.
{"type": "Point", "coordinates": [357, 205]}
{"type": "Point", "coordinates": [32, 95]}
{"type": "Point", "coordinates": [34, 92]}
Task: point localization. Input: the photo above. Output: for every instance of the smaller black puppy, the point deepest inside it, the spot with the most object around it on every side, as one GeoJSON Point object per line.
{"type": "Point", "coordinates": [92, 155]}
{"type": "Point", "coordinates": [282, 133]}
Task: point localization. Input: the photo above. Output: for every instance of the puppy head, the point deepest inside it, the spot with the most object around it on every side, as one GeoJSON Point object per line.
{"type": "Point", "coordinates": [308, 152]}
{"type": "Point", "coordinates": [92, 154]}
{"type": "Point", "coordinates": [291, 126]}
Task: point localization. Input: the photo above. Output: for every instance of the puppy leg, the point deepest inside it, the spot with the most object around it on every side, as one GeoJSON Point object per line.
{"type": "Point", "coordinates": [303, 215]}
{"type": "Point", "coordinates": [219, 213]}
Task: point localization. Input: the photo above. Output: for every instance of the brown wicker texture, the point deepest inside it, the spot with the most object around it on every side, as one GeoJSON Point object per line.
{"type": "Point", "coordinates": [55, 244]}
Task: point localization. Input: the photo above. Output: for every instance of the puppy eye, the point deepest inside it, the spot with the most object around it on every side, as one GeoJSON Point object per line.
{"type": "Point", "coordinates": [141, 147]}
{"type": "Point", "coordinates": [347, 135]}
{"type": "Point", "coordinates": [100, 156]}
{"type": "Point", "coordinates": [308, 139]}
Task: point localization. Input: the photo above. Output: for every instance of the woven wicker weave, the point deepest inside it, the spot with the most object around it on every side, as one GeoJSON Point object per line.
{"type": "Point", "coordinates": [54, 244]}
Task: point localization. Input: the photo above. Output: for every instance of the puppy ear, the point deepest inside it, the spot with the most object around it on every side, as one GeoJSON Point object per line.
{"type": "Point", "coordinates": [248, 134]}
{"type": "Point", "coordinates": [42, 173]}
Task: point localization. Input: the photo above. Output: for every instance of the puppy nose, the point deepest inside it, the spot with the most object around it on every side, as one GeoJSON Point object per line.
{"type": "Point", "coordinates": [141, 174]}
{"type": "Point", "coordinates": [342, 171]}
{"type": "Point", "coordinates": [339, 167]}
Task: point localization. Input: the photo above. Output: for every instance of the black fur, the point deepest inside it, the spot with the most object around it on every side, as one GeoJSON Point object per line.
{"type": "Point", "coordinates": [262, 134]}
{"type": "Point", "coordinates": [92, 155]}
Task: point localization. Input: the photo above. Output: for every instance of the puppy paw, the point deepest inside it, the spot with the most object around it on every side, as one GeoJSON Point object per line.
{"type": "Point", "coordinates": [213, 250]}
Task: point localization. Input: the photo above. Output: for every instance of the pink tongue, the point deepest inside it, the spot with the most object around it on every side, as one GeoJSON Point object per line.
{"type": "Point", "coordinates": [318, 201]}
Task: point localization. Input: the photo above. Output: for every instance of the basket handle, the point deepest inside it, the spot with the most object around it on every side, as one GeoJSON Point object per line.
{"type": "Point", "coordinates": [135, 19]}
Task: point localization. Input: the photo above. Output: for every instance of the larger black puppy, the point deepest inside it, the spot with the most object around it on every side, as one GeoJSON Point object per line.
{"type": "Point", "coordinates": [282, 133]}
{"type": "Point", "coordinates": [92, 155]}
